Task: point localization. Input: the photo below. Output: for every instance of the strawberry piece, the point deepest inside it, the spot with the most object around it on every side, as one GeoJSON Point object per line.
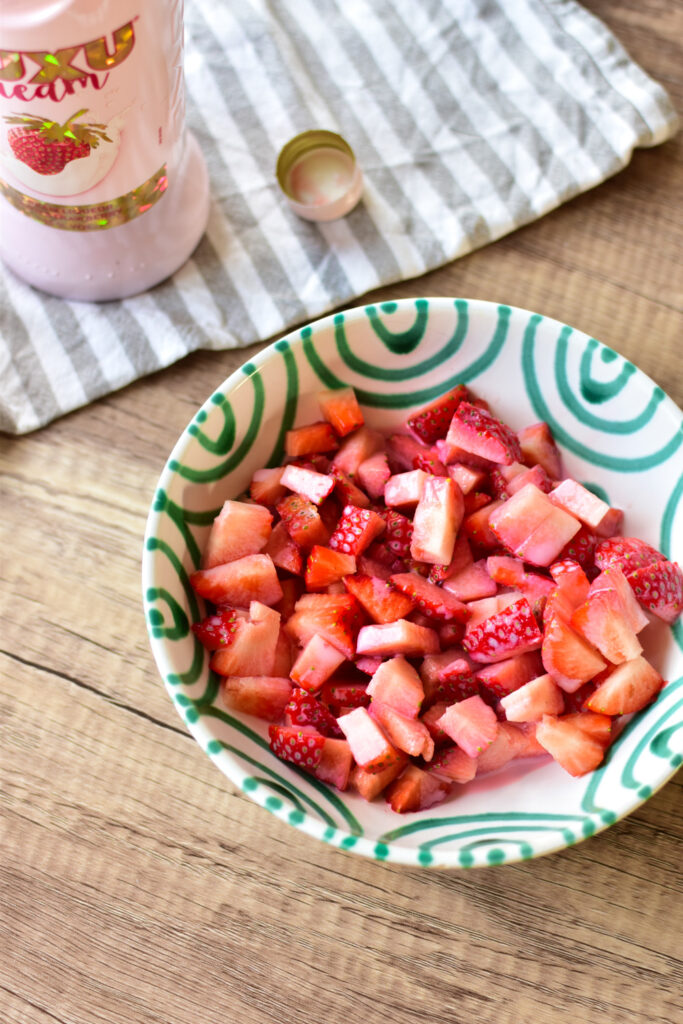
{"type": "Point", "coordinates": [451, 634]}
{"type": "Point", "coordinates": [378, 598]}
{"type": "Point", "coordinates": [369, 746]}
{"type": "Point", "coordinates": [325, 566]}
{"type": "Point", "coordinates": [487, 606]}
{"type": "Point", "coordinates": [347, 492]}
{"type": "Point", "coordinates": [447, 677]}
{"type": "Point", "coordinates": [598, 727]}
{"type": "Point", "coordinates": [340, 408]}
{"type": "Point", "coordinates": [415, 790]}
{"type": "Point", "coordinates": [539, 449]}
{"type": "Point", "coordinates": [627, 688]}
{"type": "Point", "coordinates": [571, 579]}
{"type": "Point", "coordinates": [466, 477]}
{"type": "Point", "coordinates": [373, 474]}
{"type": "Point", "coordinates": [282, 662]}
{"type": "Point", "coordinates": [507, 745]}
{"type": "Point", "coordinates": [238, 583]}
{"type": "Point", "coordinates": [431, 720]}
{"type": "Point", "coordinates": [397, 684]}
{"type": "Point", "coordinates": [403, 451]}
{"type": "Point", "coordinates": [613, 585]}
{"type": "Point", "coordinates": [433, 601]}
{"type": "Point", "coordinates": [336, 617]}
{"type": "Point", "coordinates": [592, 511]}
{"type": "Point", "coordinates": [625, 553]}
{"type": "Point", "coordinates": [433, 420]}
{"type": "Point", "coordinates": [304, 709]}
{"type": "Point", "coordinates": [400, 637]}
{"type": "Point", "coordinates": [265, 486]}
{"type": "Point", "coordinates": [404, 733]}
{"type": "Point", "coordinates": [460, 559]}
{"type": "Point", "coordinates": [239, 529]}
{"type": "Point", "coordinates": [356, 448]}
{"type": "Point", "coordinates": [292, 590]}
{"type": "Point", "coordinates": [508, 632]}
{"type": "Point", "coordinates": [606, 627]}
{"type": "Point", "coordinates": [471, 724]}
{"type": "Point", "coordinates": [335, 764]}
{"type": "Point", "coordinates": [398, 534]}
{"type": "Point", "coordinates": [428, 462]}
{"type": "Point", "coordinates": [528, 744]}
{"type": "Point", "coordinates": [571, 746]}
{"type": "Point", "coordinates": [581, 548]}
{"type": "Point", "coordinates": [292, 743]}
{"type": "Point", "coordinates": [316, 663]}
{"type": "Point", "coordinates": [216, 631]}
{"type": "Point", "coordinates": [254, 645]}
{"type": "Point", "coordinates": [471, 583]}
{"type": "Point", "coordinates": [533, 700]}
{"type": "Point", "coordinates": [477, 528]}
{"type": "Point", "coordinates": [302, 521]}
{"type": "Point", "coordinates": [311, 439]}
{"type": "Point", "coordinates": [369, 664]}
{"type": "Point", "coordinates": [569, 659]}
{"type": "Point", "coordinates": [475, 500]}
{"type": "Point", "coordinates": [659, 588]}
{"type": "Point", "coordinates": [262, 696]}
{"type": "Point", "coordinates": [531, 527]}
{"type": "Point", "coordinates": [477, 431]}
{"type": "Point", "coordinates": [511, 572]}
{"type": "Point", "coordinates": [454, 765]}
{"type": "Point", "coordinates": [282, 549]}
{"type": "Point", "coordinates": [340, 696]}
{"type": "Point", "coordinates": [356, 529]}
{"type": "Point", "coordinates": [437, 520]}
{"type": "Point", "coordinates": [536, 476]}
{"type": "Point", "coordinates": [509, 675]}
{"type": "Point", "coordinates": [371, 784]}
{"type": "Point", "coordinates": [404, 490]}
{"type": "Point", "coordinates": [307, 483]}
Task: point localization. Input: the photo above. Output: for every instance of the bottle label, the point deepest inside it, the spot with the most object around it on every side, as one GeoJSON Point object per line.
{"type": "Point", "coordinates": [82, 126]}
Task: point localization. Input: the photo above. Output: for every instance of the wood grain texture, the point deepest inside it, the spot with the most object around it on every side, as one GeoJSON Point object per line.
{"type": "Point", "coordinates": [139, 888]}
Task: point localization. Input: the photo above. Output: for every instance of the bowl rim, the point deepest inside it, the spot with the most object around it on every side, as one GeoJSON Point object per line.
{"type": "Point", "coordinates": [339, 837]}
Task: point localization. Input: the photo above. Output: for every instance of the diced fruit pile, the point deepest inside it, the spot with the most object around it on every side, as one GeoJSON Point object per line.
{"type": "Point", "coordinates": [413, 611]}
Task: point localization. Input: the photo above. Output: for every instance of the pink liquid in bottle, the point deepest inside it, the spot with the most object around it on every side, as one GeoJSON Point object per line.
{"type": "Point", "coordinates": [103, 191]}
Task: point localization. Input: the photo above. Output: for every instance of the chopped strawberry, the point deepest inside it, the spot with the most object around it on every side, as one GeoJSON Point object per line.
{"type": "Point", "coordinates": [598, 727]}
{"type": "Point", "coordinates": [454, 765]}
{"type": "Point", "coordinates": [302, 521]}
{"type": "Point", "coordinates": [571, 746]}
{"type": "Point", "coordinates": [398, 534]}
{"type": "Point", "coordinates": [507, 745]}
{"type": "Point", "coordinates": [539, 449]}
{"type": "Point", "coordinates": [373, 474]}
{"type": "Point", "coordinates": [471, 724]}
{"type": "Point", "coordinates": [613, 585]}
{"type": "Point", "coordinates": [325, 566]}
{"type": "Point", "coordinates": [347, 492]}
{"type": "Point", "coordinates": [431, 719]}
{"type": "Point", "coordinates": [304, 709]}
{"type": "Point", "coordinates": [571, 580]}
{"type": "Point", "coordinates": [471, 583]}
{"type": "Point", "coordinates": [341, 409]}
{"type": "Point", "coordinates": [473, 501]}
{"type": "Point", "coordinates": [437, 520]}
{"type": "Point", "coordinates": [485, 607]}
{"type": "Point", "coordinates": [415, 790]}
{"type": "Point", "coordinates": [368, 664]}
{"type": "Point", "coordinates": [380, 600]}
{"type": "Point", "coordinates": [311, 439]}
{"type": "Point", "coordinates": [528, 744]}
{"type": "Point", "coordinates": [433, 420]}
{"type": "Point", "coordinates": [238, 583]}
{"type": "Point", "coordinates": [396, 683]}
{"type": "Point", "coordinates": [477, 431]}
{"type": "Point", "coordinates": [536, 475]}
{"type": "Point", "coordinates": [316, 663]}
{"type": "Point", "coordinates": [592, 511]}
{"type": "Point", "coordinates": [307, 483]}
{"type": "Point", "coordinates": [379, 562]}
{"type": "Point", "coordinates": [216, 631]}
{"type": "Point", "coordinates": [371, 784]}
{"type": "Point", "coordinates": [466, 477]}
{"type": "Point", "coordinates": [404, 490]}
{"type": "Point", "coordinates": [625, 553]}
{"type": "Point", "coordinates": [292, 743]}
{"type": "Point", "coordinates": [451, 634]}
{"type": "Point", "coordinates": [238, 530]}
{"type": "Point", "coordinates": [511, 572]}
{"type": "Point", "coordinates": [460, 559]}
{"type": "Point", "coordinates": [538, 697]}
{"type": "Point", "coordinates": [283, 550]}
{"type": "Point", "coordinates": [282, 661]}
{"type": "Point", "coordinates": [254, 645]}
{"type": "Point", "coordinates": [339, 695]}
{"type": "Point", "coordinates": [659, 588]}
{"type": "Point", "coordinates": [430, 464]}
{"type": "Point", "coordinates": [400, 637]}
{"type": "Point", "coordinates": [568, 657]}
{"type": "Point", "coordinates": [262, 696]}
{"type": "Point", "coordinates": [433, 601]}
{"type": "Point", "coordinates": [581, 548]}
{"type": "Point", "coordinates": [511, 631]}
{"type": "Point", "coordinates": [403, 451]}
{"type": "Point", "coordinates": [509, 675]}
{"type": "Point", "coordinates": [356, 448]}
{"type": "Point", "coordinates": [265, 486]}
{"type": "Point", "coordinates": [531, 527]}
{"type": "Point", "coordinates": [627, 688]}
{"type": "Point", "coordinates": [403, 732]}
{"type": "Point", "coordinates": [335, 764]}
{"type": "Point", "coordinates": [292, 590]}
{"type": "Point", "coordinates": [606, 627]}
{"type": "Point", "coordinates": [336, 617]}
{"type": "Point", "coordinates": [477, 528]}
{"type": "Point", "coordinates": [369, 746]}
{"type": "Point", "coordinates": [356, 529]}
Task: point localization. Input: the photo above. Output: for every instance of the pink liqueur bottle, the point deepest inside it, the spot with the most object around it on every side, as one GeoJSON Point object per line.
{"type": "Point", "coordinates": [103, 191]}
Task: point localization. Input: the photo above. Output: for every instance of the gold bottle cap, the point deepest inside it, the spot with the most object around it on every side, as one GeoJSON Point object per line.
{"type": "Point", "coordinates": [318, 173]}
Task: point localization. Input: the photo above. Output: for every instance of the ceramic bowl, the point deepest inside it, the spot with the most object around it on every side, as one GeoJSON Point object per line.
{"type": "Point", "coordinates": [618, 432]}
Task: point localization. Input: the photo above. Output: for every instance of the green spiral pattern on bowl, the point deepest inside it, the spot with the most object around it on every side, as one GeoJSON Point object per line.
{"type": "Point", "coordinates": [393, 364]}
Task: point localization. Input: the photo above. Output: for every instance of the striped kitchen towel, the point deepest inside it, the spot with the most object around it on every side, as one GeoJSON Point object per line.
{"type": "Point", "coordinates": [469, 118]}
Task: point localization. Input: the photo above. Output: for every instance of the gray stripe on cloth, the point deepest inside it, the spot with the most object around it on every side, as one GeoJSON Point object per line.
{"type": "Point", "coordinates": [75, 344]}
{"type": "Point", "coordinates": [26, 364]}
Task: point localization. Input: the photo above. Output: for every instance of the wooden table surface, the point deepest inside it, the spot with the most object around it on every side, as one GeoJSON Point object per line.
{"type": "Point", "coordinates": [139, 888]}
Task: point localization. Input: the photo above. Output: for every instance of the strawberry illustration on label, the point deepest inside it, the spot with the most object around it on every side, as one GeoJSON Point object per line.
{"type": "Point", "coordinates": [47, 146]}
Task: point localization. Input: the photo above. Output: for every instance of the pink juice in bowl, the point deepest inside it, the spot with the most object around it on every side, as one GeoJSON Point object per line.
{"type": "Point", "coordinates": [103, 191]}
